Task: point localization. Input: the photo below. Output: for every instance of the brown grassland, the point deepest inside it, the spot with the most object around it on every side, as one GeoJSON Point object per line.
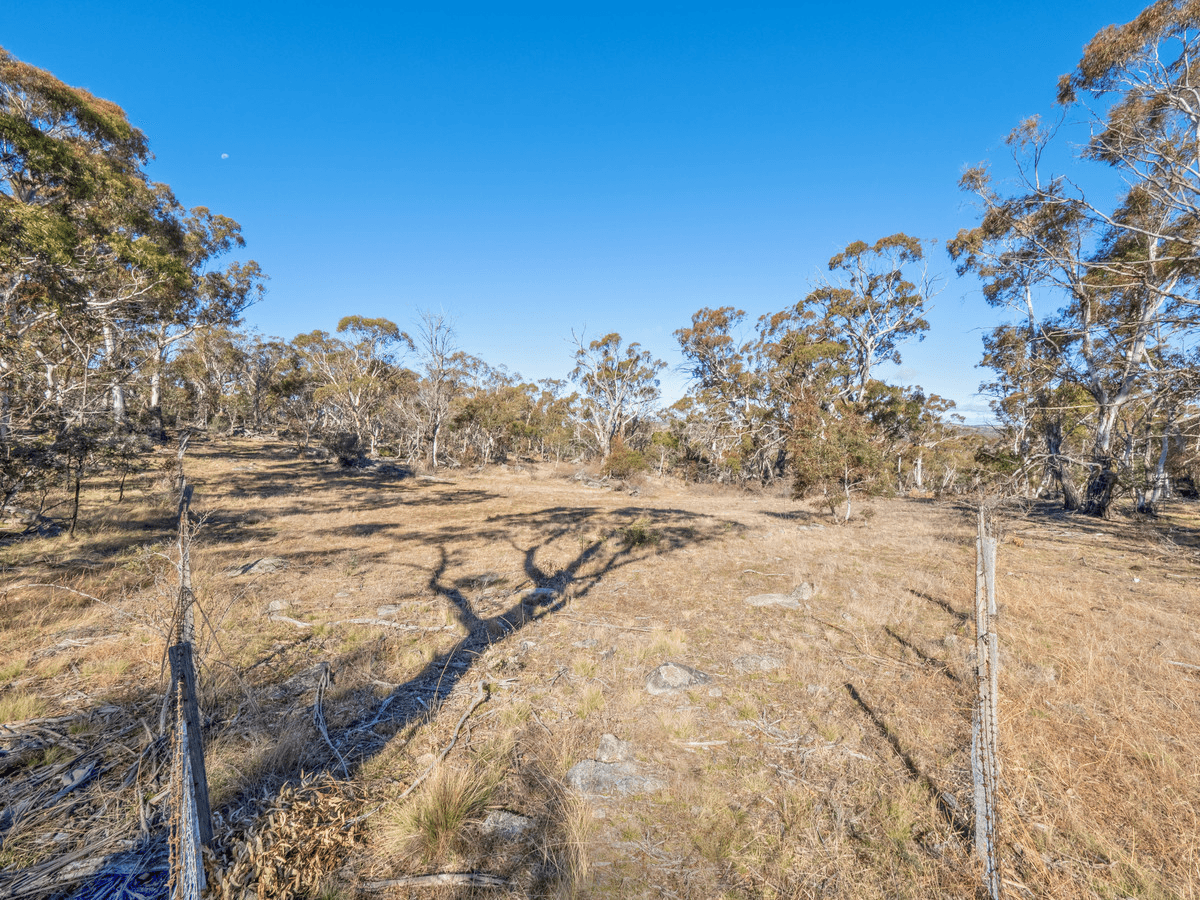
{"type": "Point", "coordinates": [843, 772]}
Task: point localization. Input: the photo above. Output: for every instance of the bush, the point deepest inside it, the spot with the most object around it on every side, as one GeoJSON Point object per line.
{"type": "Point", "coordinates": [345, 448]}
{"type": "Point", "coordinates": [623, 462]}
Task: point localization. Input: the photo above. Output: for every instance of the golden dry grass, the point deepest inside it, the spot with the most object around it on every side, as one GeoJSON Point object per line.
{"type": "Point", "coordinates": [841, 773]}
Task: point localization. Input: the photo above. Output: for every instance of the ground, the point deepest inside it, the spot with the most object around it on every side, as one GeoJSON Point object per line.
{"type": "Point", "coordinates": [485, 629]}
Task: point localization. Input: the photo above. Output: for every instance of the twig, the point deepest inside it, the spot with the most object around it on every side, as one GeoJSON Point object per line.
{"type": "Point", "coordinates": [765, 574]}
{"type": "Point", "coordinates": [607, 625]}
{"type": "Point", "coordinates": [326, 679]}
{"type": "Point", "coordinates": [479, 698]}
{"type": "Point", "coordinates": [1182, 665]}
{"type": "Point", "coordinates": [456, 879]}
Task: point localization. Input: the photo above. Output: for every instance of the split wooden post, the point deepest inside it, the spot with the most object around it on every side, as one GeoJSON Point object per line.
{"type": "Point", "coordinates": [183, 674]}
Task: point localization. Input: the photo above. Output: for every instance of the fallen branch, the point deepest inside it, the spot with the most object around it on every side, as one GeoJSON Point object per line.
{"type": "Point", "coordinates": [454, 879]}
{"type": "Point", "coordinates": [479, 698]}
{"type": "Point", "coordinates": [1182, 665]}
{"type": "Point", "coordinates": [402, 626]}
{"type": "Point", "coordinates": [765, 574]}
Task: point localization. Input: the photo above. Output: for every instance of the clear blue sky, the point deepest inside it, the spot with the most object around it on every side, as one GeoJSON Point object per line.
{"type": "Point", "coordinates": [530, 170]}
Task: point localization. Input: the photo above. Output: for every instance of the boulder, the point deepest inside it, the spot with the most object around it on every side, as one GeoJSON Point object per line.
{"type": "Point", "coordinates": [672, 677]}
{"type": "Point", "coordinates": [259, 567]}
{"type": "Point", "coordinates": [599, 778]}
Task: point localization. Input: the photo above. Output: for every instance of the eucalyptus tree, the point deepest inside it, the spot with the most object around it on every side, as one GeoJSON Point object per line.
{"type": "Point", "coordinates": [619, 386]}
{"type": "Point", "coordinates": [355, 373]}
{"type": "Point", "coordinates": [70, 165]}
{"type": "Point", "coordinates": [1106, 297]}
{"type": "Point", "coordinates": [875, 299]}
{"type": "Point", "coordinates": [444, 365]}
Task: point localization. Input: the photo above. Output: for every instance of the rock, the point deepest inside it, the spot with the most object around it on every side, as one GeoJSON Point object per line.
{"type": "Point", "coordinates": [539, 596]}
{"type": "Point", "coordinates": [804, 591]}
{"type": "Point", "coordinates": [388, 610]}
{"type": "Point", "coordinates": [715, 692]}
{"type": "Point", "coordinates": [671, 677]}
{"type": "Point", "coordinates": [259, 567]}
{"type": "Point", "coordinates": [341, 594]}
{"type": "Point", "coordinates": [785, 601]}
{"type": "Point", "coordinates": [599, 778]}
{"type": "Point", "coordinates": [613, 750]}
{"type": "Point", "coordinates": [279, 605]}
{"type": "Point", "coordinates": [505, 825]}
{"type": "Point", "coordinates": [754, 662]}
{"type": "Point", "coordinates": [586, 645]}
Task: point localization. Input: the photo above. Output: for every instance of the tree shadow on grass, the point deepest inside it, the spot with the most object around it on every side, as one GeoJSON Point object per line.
{"type": "Point", "coordinates": [361, 734]}
{"type": "Point", "coordinates": [946, 805]}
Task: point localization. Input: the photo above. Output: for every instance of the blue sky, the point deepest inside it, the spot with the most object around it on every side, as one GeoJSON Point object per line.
{"type": "Point", "coordinates": [531, 170]}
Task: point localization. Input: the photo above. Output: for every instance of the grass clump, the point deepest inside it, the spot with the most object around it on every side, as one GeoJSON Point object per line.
{"type": "Point", "coordinates": [639, 534]}
{"type": "Point", "coordinates": [17, 707]}
{"type": "Point", "coordinates": [433, 824]}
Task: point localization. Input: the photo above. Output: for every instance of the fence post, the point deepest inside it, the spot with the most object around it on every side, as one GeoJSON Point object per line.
{"type": "Point", "coordinates": [183, 674]}
{"type": "Point", "coordinates": [985, 765]}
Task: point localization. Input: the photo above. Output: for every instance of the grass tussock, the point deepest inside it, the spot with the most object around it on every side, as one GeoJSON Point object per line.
{"type": "Point", "coordinates": [431, 827]}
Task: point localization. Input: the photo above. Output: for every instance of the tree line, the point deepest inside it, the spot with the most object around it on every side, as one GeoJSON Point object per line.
{"type": "Point", "coordinates": [122, 319]}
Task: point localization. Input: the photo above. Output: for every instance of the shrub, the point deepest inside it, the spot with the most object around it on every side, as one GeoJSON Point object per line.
{"type": "Point", "coordinates": [623, 462]}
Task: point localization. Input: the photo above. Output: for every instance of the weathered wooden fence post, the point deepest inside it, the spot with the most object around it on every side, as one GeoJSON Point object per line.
{"type": "Point", "coordinates": [191, 817]}
{"type": "Point", "coordinates": [183, 679]}
{"type": "Point", "coordinates": [985, 764]}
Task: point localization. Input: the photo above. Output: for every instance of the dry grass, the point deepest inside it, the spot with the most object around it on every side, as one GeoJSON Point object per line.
{"type": "Point", "coordinates": [841, 773]}
{"type": "Point", "coordinates": [431, 827]}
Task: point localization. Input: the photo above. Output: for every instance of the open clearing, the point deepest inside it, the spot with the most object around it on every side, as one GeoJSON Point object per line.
{"type": "Point", "coordinates": [826, 756]}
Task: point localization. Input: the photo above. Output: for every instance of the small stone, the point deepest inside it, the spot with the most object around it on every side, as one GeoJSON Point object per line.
{"type": "Point", "coordinates": [754, 662]}
{"type": "Point", "coordinates": [671, 677]}
{"type": "Point", "coordinates": [387, 610]}
{"type": "Point", "coordinates": [586, 645]}
{"type": "Point", "coordinates": [539, 596]}
{"type": "Point", "coordinates": [715, 692]}
{"type": "Point", "coordinates": [505, 825]}
{"type": "Point", "coordinates": [785, 601]}
{"type": "Point", "coordinates": [279, 605]}
{"type": "Point", "coordinates": [341, 594]}
{"type": "Point", "coordinates": [613, 750]}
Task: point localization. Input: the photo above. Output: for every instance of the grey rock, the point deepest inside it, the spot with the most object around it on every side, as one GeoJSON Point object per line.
{"type": "Point", "coordinates": [753, 662]}
{"type": "Point", "coordinates": [505, 825]}
{"type": "Point", "coordinates": [586, 645]}
{"type": "Point", "coordinates": [715, 692]}
{"type": "Point", "coordinates": [600, 778]}
{"type": "Point", "coordinates": [279, 605]}
{"type": "Point", "coordinates": [538, 596]}
{"type": "Point", "coordinates": [784, 601]}
{"type": "Point", "coordinates": [259, 567]}
{"type": "Point", "coordinates": [671, 677]}
{"type": "Point", "coordinates": [613, 750]}
{"type": "Point", "coordinates": [388, 610]}
{"type": "Point", "coordinates": [804, 591]}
